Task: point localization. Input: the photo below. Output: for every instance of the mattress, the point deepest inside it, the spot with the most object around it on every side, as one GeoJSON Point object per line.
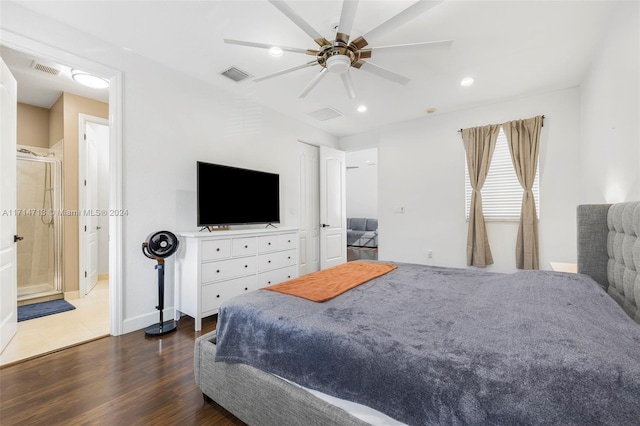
{"type": "Point", "coordinates": [430, 345]}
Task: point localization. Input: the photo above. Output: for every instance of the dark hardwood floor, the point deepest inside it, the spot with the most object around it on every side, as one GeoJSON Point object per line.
{"type": "Point", "coordinates": [131, 379]}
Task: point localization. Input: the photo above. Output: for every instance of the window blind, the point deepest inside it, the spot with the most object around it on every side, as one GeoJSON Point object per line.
{"type": "Point", "coordinates": [501, 193]}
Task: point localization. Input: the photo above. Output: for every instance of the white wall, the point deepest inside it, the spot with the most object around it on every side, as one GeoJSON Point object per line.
{"type": "Point", "coordinates": [362, 183]}
{"type": "Point", "coordinates": [169, 122]}
{"type": "Point", "coordinates": [610, 143]}
{"type": "Point", "coordinates": [421, 167]}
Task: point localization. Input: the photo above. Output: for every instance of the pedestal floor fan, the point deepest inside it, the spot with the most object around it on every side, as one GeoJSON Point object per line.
{"type": "Point", "coordinates": [158, 246]}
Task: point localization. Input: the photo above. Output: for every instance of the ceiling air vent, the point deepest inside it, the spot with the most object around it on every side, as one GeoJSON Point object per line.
{"type": "Point", "coordinates": [325, 114]}
{"type": "Point", "coordinates": [49, 69]}
{"type": "Point", "coordinates": [235, 74]}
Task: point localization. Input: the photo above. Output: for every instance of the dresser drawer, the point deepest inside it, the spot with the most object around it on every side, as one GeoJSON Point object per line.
{"type": "Point", "coordinates": [225, 269]}
{"type": "Point", "coordinates": [214, 294]}
{"type": "Point", "coordinates": [215, 249]}
{"type": "Point", "coordinates": [244, 246]}
{"type": "Point", "coordinates": [277, 276]}
{"type": "Point", "coordinates": [287, 241]}
{"type": "Point", "coordinates": [280, 259]}
{"type": "Point", "coordinates": [267, 243]}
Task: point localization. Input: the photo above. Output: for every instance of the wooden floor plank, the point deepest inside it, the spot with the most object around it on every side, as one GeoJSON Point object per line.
{"type": "Point", "coordinates": [132, 379]}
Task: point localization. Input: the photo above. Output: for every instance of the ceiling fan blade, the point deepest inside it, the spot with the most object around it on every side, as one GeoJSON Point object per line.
{"type": "Point", "coordinates": [301, 23]}
{"type": "Point", "coordinates": [347, 16]}
{"type": "Point", "coordinates": [269, 46]}
{"type": "Point", "coordinates": [394, 22]}
{"type": "Point", "coordinates": [286, 71]}
{"type": "Point", "coordinates": [381, 72]}
{"type": "Point", "coordinates": [411, 47]}
{"type": "Point", "coordinates": [315, 80]}
{"type": "Point", "coordinates": [348, 84]}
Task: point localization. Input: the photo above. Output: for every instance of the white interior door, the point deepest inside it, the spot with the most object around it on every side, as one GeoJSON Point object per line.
{"type": "Point", "coordinates": [333, 211]}
{"type": "Point", "coordinates": [309, 225]}
{"type": "Point", "coordinates": [8, 272]}
{"type": "Point", "coordinates": [88, 153]}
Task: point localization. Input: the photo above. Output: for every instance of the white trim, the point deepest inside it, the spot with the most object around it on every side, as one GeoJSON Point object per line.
{"type": "Point", "coordinates": [143, 321]}
{"type": "Point", "coordinates": [116, 279]}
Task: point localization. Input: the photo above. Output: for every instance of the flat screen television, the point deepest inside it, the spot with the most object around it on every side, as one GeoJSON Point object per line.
{"type": "Point", "coordinates": [232, 196]}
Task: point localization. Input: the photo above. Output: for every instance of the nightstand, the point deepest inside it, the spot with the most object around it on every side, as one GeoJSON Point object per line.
{"type": "Point", "coordinates": [564, 267]}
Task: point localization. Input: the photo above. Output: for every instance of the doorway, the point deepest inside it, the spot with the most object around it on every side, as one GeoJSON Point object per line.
{"type": "Point", "coordinates": [362, 204]}
{"type": "Point", "coordinates": [22, 44]}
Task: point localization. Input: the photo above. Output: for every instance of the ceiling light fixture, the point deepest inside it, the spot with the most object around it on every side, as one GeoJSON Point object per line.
{"type": "Point", "coordinates": [275, 51]}
{"type": "Point", "coordinates": [467, 81]}
{"type": "Point", "coordinates": [362, 108]}
{"type": "Point", "coordinates": [89, 80]}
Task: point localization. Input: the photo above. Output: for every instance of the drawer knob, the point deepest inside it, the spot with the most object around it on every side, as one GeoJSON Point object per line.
{"type": "Point", "coordinates": [218, 295]}
{"type": "Point", "coordinates": [288, 241]}
{"type": "Point", "coordinates": [218, 271]}
{"type": "Point", "coordinates": [288, 257]}
{"type": "Point", "coordinates": [246, 266]}
{"type": "Point", "coordinates": [268, 261]}
{"type": "Point", "coordinates": [246, 246]}
{"type": "Point", "coordinates": [269, 244]}
{"type": "Point", "coordinates": [246, 288]}
{"type": "Point", "coordinates": [288, 276]}
{"type": "Point", "coordinates": [218, 249]}
{"type": "Point", "coordinates": [268, 282]}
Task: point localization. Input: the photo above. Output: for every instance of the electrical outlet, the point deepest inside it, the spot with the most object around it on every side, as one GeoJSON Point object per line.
{"type": "Point", "coordinates": [430, 254]}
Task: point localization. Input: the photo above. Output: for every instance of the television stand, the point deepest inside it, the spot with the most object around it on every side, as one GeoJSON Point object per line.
{"type": "Point", "coordinates": [211, 268]}
{"type": "Point", "coordinates": [272, 225]}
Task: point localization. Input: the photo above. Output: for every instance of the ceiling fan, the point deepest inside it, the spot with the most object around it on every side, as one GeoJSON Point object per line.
{"type": "Point", "coordinates": [339, 55]}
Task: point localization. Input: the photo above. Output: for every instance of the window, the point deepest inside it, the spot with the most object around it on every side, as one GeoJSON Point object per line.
{"type": "Point", "coordinates": [501, 193]}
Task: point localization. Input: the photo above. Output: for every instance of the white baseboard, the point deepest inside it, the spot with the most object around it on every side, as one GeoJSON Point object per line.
{"type": "Point", "coordinates": [143, 321]}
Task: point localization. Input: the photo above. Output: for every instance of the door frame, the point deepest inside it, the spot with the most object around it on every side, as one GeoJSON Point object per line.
{"type": "Point", "coordinates": [44, 51]}
{"type": "Point", "coordinates": [83, 120]}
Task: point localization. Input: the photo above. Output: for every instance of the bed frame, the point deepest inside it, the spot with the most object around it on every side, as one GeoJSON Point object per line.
{"type": "Point", "coordinates": [609, 251]}
{"type": "Point", "coordinates": [608, 236]}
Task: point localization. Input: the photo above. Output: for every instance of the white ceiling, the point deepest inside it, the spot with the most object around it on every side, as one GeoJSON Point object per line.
{"type": "Point", "coordinates": [510, 48]}
{"type": "Point", "coordinates": [41, 88]}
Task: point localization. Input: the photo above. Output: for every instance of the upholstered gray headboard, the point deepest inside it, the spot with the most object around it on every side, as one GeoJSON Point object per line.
{"type": "Point", "coordinates": [609, 250]}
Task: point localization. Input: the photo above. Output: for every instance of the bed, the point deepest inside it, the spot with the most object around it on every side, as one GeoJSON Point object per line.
{"type": "Point", "coordinates": [430, 345]}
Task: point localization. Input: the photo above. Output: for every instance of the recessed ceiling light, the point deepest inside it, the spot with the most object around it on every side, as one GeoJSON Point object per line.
{"type": "Point", "coordinates": [467, 81]}
{"type": "Point", "coordinates": [275, 51]}
{"type": "Point", "coordinates": [362, 108]}
{"type": "Point", "coordinates": [89, 80]}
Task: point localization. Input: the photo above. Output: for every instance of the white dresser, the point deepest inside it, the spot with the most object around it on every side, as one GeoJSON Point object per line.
{"type": "Point", "coordinates": [212, 267]}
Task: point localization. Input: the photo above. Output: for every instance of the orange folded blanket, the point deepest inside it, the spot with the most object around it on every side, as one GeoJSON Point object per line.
{"type": "Point", "coordinates": [324, 285]}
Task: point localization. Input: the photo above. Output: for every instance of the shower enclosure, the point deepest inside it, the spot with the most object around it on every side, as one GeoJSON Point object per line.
{"type": "Point", "coordinates": [38, 220]}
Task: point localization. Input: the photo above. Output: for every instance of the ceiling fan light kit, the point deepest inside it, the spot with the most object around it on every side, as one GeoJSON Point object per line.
{"type": "Point", "coordinates": [339, 55]}
{"type": "Point", "coordinates": [338, 64]}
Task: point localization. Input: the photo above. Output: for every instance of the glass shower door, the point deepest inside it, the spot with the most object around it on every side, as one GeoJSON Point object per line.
{"type": "Point", "coordinates": [38, 223]}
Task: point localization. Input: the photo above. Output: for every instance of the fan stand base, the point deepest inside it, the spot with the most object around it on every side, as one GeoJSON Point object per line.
{"type": "Point", "coordinates": [159, 329]}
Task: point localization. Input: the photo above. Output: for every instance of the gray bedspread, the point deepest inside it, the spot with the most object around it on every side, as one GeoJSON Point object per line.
{"type": "Point", "coordinates": [429, 345]}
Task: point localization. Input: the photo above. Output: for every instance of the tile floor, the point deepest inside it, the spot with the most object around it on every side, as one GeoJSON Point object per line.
{"type": "Point", "coordinates": [90, 320]}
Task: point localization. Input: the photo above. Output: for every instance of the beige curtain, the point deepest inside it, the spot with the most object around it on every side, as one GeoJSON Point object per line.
{"type": "Point", "coordinates": [523, 137]}
{"type": "Point", "coordinates": [479, 143]}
